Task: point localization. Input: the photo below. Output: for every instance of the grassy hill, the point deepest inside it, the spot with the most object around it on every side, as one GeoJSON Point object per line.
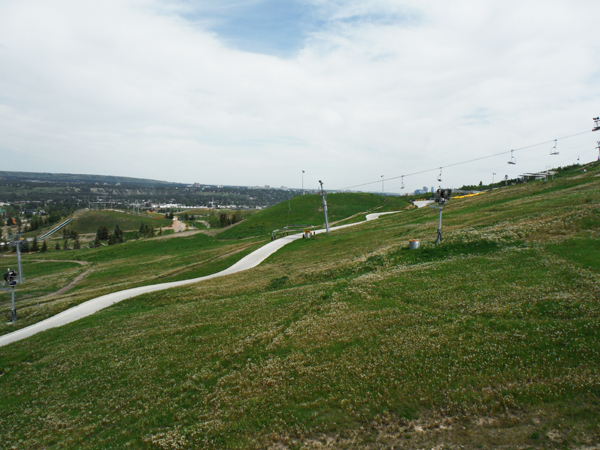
{"type": "Point", "coordinates": [347, 340]}
{"type": "Point", "coordinates": [113, 268]}
{"type": "Point", "coordinates": [308, 210]}
{"type": "Point", "coordinates": [89, 221]}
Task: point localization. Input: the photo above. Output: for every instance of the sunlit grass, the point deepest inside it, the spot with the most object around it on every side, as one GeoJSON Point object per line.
{"type": "Point", "coordinates": [490, 339]}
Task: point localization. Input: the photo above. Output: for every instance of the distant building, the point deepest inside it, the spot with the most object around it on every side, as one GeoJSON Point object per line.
{"type": "Point", "coordinates": [196, 184]}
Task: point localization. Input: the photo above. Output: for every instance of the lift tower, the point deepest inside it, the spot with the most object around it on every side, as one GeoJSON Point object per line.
{"type": "Point", "coordinates": [324, 199]}
{"type": "Point", "coordinates": [441, 196]}
{"type": "Point", "coordinates": [10, 278]}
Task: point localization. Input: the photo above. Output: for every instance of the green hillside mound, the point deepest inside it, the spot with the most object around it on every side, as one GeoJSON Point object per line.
{"type": "Point", "coordinates": [347, 340]}
{"type": "Point", "coordinates": [308, 210]}
{"type": "Point", "coordinates": [89, 221]}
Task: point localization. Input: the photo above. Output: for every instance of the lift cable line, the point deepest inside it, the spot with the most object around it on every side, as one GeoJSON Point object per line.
{"type": "Point", "coordinates": [471, 160]}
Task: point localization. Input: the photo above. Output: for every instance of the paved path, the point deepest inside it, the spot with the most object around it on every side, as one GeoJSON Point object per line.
{"type": "Point", "coordinates": [422, 203]}
{"type": "Point", "coordinates": [96, 304]}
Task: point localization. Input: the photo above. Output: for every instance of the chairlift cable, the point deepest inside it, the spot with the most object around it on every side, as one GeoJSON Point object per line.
{"type": "Point", "coordinates": [468, 161]}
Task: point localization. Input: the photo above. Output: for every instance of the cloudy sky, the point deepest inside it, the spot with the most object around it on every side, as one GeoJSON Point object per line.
{"type": "Point", "coordinates": [252, 92]}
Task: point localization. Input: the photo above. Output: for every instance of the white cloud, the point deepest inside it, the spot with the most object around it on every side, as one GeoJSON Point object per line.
{"type": "Point", "coordinates": [131, 88]}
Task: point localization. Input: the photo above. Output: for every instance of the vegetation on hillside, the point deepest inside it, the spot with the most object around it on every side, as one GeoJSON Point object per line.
{"type": "Point", "coordinates": [347, 340]}
{"type": "Point", "coordinates": [112, 268]}
{"type": "Point", "coordinates": [307, 210]}
{"type": "Point", "coordinates": [88, 221]}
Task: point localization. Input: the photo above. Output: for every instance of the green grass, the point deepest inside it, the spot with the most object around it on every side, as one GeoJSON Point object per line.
{"type": "Point", "coordinates": [583, 252]}
{"type": "Point", "coordinates": [308, 210]}
{"type": "Point", "coordinates": [90, 221]}
{"type": "Point", "coordinates": [487, 341]}
{"type": "Point", "coordinates": [116, 267]}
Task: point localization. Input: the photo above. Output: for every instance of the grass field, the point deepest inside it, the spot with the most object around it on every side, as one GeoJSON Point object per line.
{"type": "Point", "coordinates": [347, 340]}
{"type": "Point", "coordinates": [308, 210]}
{"type": "Point", "coordinates": [113, 268]}
{"type": "Point", "coordinates": [89, 221]}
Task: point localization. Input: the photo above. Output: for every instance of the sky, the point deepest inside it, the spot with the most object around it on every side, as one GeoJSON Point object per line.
{"type": "Point", "coordinates": [253, 92]}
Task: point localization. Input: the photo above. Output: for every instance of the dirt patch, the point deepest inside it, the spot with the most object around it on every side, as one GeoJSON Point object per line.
{"type": "Point", "coordinates": [81, 263]}
{"type": "Point", "coordinates": [72, 284]}
{"type": "Point", "coordinates": [182, 234]}
{"type": "Point", "coordinates": [507, 431]}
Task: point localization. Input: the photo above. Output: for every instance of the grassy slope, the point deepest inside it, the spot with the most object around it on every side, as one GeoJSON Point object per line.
{"type": "Point", "coordinates": [490, 340]}
{"type": "Point", "coordinates": [89, 221]}
{"type": "Point", "coordinates": [308, 210]}
{"type": "Point", "coordinates": [117, 267]}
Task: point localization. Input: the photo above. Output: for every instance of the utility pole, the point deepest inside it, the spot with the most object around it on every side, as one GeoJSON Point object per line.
{"type": "Point", "coordinates": [439, 232]}
{"type": "Point", "coordinates": [303, 182]}
{"type": "Point", "coordinates": [324, 199]}
{"type": "Point", "coordinates": [16, 242]}
{"type": "Point", "coordinates": [493, 176]}
{"type": "Point", "coordinates": [382, 180]}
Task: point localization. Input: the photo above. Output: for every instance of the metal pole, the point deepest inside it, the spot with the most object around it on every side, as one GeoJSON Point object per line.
{"type": "Point", "coordinates": [382, 181]}
{"type": "Point", "coordinates": [324, 199]}
{"type": "Point", "coordinates": [493, 176]}
{"type": "Point", "coordinates": [439, 233]}
{"type": "Point", "coordinates": [13, 312]}
{"type": "Point", "coordinates": [19, 261]}
{"type": "Point", "coordinates": [303, 182]}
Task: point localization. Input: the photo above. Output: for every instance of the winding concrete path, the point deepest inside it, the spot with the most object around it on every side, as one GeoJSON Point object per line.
{"type": "Point", "coordinates": [96, 304]}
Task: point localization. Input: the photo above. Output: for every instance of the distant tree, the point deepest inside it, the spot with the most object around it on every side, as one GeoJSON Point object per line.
{"type": "Point", "coordinates": [44, 247]}
{"type": "Point", "coordinates": [95, 243]}
{"type": "Point", "coordinates": [102, 233]}
{"type": "Point", "coordinates": [481, 183]}
{"type": "Point", "coordinates": [146, 230]}
{"type": "Point", "coordinates": [19, 223]}
{"type": "Point", "coordinates": [223, 219]}
{"type": "Point", "coordinates": [25, 248]}
{"type": "Point", "coordinates": [236, 217]}
{"type": "Point", "coordinates": [111, 239]}
{"type": "Point", "coordinates": [119, 239]}
{"type": "Point", "coordinates": [66, 245]}
{"type": "Point", "coordinates": [160, 231]}
{"type": "Point", "coordinates": [76, 244]}
{"type": "Point", "coordinates": [53, 217]}
{"type": "Point", "coordinates": [57, 246]}
{"type": "Point", "coordinates": [34, 245]}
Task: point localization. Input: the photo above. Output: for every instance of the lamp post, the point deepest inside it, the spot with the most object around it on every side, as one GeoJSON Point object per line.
{"type": "Point", "coordinates": [493, 176]}
{"type": "Point", "coordinates": [303, 182]}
